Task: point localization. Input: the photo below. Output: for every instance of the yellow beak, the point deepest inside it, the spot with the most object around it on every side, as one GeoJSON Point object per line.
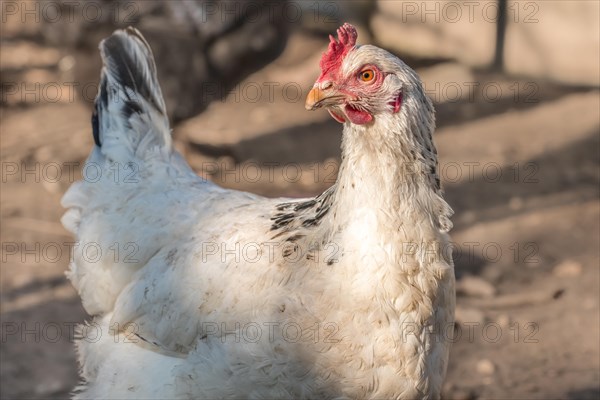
{"type": "Point", "coordinates": [314, 97]}
{"type": "Point", "coordinates": [318, 97]}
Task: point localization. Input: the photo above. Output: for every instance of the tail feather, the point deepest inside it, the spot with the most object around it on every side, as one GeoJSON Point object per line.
{"type": "Point", "coordinates": [130, 113]}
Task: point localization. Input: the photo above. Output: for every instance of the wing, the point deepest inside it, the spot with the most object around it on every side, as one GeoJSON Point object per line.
{"type": "Point", "coordinates": [166, 254]}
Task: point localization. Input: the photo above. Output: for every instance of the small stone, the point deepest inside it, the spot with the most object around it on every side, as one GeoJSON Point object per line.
{"type": "Point", "coordinates": [485, 367]}
{"type": "Point", "coordinates": [503, 320]}
{"type": "Point", "coordinates": [474, 286]}
{"type": "Point", "coordinates": [567, 269]}
{"type": "Point", "coordinates": [66, 63]}
{"type": "Point", "coordinates": [515, 203]}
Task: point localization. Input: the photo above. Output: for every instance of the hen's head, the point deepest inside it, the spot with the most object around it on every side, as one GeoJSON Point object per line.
{"type": "Point", "coordinates": [358, 83]}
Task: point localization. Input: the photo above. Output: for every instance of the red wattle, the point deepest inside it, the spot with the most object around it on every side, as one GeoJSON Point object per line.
{"type": "Point", "coordinates": [357, 117]}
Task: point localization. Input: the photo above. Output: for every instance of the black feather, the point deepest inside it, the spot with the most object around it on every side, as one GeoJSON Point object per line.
{"type": "Point", "coordinates": [125, 66]}
{"type": "Point", "coordinates": [128, 84]}
{"type": "Point", "coordinates": [305, 214]}
{"type": "Point", "coordinates": [100, 104]}
{"type": "Point", "coordinates": [96, 127]}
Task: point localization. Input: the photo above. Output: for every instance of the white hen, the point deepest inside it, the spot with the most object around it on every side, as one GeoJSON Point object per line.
{"type": "Point", "coordinates": [202, 292]}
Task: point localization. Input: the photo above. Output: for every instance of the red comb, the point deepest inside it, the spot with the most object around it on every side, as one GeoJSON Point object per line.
{"type": "Point", "coordinates": [332, 59]}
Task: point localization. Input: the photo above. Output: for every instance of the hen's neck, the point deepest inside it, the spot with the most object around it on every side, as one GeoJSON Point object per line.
{"type": "Point", "coordinates": [389, 168]}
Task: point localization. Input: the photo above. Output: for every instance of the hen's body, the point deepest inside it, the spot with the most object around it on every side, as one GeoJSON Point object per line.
{"type": "Point", "coordinates": [202, 292]}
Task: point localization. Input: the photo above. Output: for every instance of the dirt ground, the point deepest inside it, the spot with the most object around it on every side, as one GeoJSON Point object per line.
{"type": "Point", "coordinates": [520, 169]}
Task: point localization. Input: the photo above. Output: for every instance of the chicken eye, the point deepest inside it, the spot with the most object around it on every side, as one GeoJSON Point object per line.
{"type": "Point", "coordinates": [367, 75]}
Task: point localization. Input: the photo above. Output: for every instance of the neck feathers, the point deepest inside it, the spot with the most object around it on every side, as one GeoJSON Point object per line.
{"type": "Point", "coordinates": [392, 165]}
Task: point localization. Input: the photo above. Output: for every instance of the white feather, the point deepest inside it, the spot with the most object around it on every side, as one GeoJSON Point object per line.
{"type": "Point", "coordinates": [202, 292]}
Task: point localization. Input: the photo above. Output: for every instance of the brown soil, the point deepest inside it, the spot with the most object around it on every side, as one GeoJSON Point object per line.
{"type": "Point", "coordinates": [521, 176]}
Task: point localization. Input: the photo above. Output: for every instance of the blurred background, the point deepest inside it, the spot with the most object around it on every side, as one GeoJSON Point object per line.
{"type": "Point", "coordinates": [515, 85]}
